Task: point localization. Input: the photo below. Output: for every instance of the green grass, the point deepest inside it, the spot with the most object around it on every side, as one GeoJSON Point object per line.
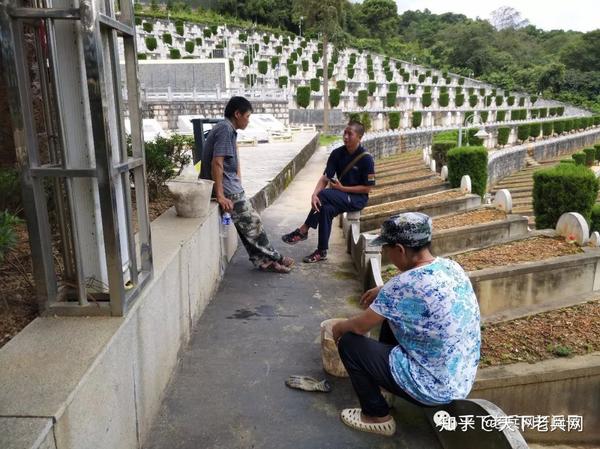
{"type": "Point", "coordinates": [327, 139]}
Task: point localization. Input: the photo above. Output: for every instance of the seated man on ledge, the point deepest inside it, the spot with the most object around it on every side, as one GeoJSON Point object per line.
{"type": "Point", "coordinates": [428, 348]}
{"type": "Point", "coordinates": [350, 172]}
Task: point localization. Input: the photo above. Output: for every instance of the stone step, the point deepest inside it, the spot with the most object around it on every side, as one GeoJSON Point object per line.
{"type": "Point", "coordinates": [421, 171]}
{"type": "Point", "coordinates": [512, 190]}
{"type": "Point", "coordinates": [399, 168]}
{"type": "Point", "coordinates": [386, 182]}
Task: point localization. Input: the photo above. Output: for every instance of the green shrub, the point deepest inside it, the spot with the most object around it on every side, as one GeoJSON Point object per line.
{"type": "Point", "coordinates": [394, 120]}
{"type": "Point", "coordinates": [334, 98]}
{"type": "Point", "coordinates": [493, 93]}
{"type": "Point", "coordinates": [138, 20]}
{"type": "Point", "coordinates": [305, 65]}
{"type": "Point", "coordinates": [569, 124]}
{"type": "Point", "coordinates": [198, 41]}
{"type": "Point", "coordinates": [579, 158]}
{"type": "Point", "coordinates": [393, 87]}
{"type": "Point", "coordinates": [523, 132]}
{"type": "Point", "coordinates": [428, 73]}
{"type": "Point", "coordinates": [459, 100]}
{"type": "Point", "coordinates": [283, 81]}
{"type": "Point", "coordinates": [266, 39]}
{"type": "Point", "coordinates": [484, 116]}
{"type": "Point", "coordinates": [488, 100]}
{"type": "Point", "coordinates": [389, 76]}
{"type": "Point", "coordinates": [214, 29]}
{"type": "Point", "coordinates": [243, 37]}
{"type": "Point", "coordinates": [303, 96]}
{"type": "Point", "coordinates": [416, 119]}
{"type": "Point", "coordinates": [315, 84]}
{"type": "Point", "coordinates": [8, 234]}
{"type": "Point", "coordinates": [472, 138]}
{"type": "Point", "coordinates": [499, 100]}
{"type": "Point", "coordinates": [543, 112]}
{"type": "Point", "coordinates": [596, 147]}
{"type": "Point", "coordinates": [535, 129]}
{"type": "Point", "coordinates": [303, 44]}
{"type": "Point", "coordinates": [363, 96]}
{"type": "Point", "coordinates": [547, 128]}
{"type": "Point", "coordinates": [371, 87]}
{"type": "Point", "coordinates": [560, 111]}
{"type": "Point", "coordinates": [534, 113]}
{"type": "Point", "coordinates": [230, 65]}
{"type": "Point", "coordinates": [286, 41]}
{"type": "Point", "coordinates": [473, 100]}
{"type": "Point", "coordinates": [274, 61]}
{"type": "Point", "coordinates": [515, 114]}
{"type": "Point", "coordinates": [523, 114]}
{"type": "Point", "coordinates": [207, 32]}
{"type": "Point", "coordinates": [263, 67]}
{"type": "Point", "coordinates": [552, 112]}
{"type": "Point", "coordinates": [180, 30]}
{"type": "Point", "coordinates": [292, 69]}
{"type": "Point", "coordinates": [151, 43]}
{"type": "Point", "coordinates": [174, 53]}
{"type": "Point", "coordinates": [596, 120]}
{"type": "Point", "coordinates": [421, 78]}
{"type": "Point", "coordinates": [405, 77]}
{"type": "Point", "coordinates": [443, 100]}
{"type": "Point", "coordinates": [148, 27]}
{"type": "Point", "coordinates": [439, 152]}
{"type": "Point", "coordinates": [567, 161]}
{"type": "Point", "coordinates": [533, 99]}
{"type": "Point", "coordinates": [365, 119]}
{"type": "Point", "coordinates": [319, 72]}
{"type": "Point", "coordinates": [434, 79]}
{"type": "Point", "coordinates": [293, 57]}
{"type": "Point", "coordinates": [444, 74]}
{"type": "Point", "coordinates": [500, 116]}
{"type": "Point", "coordinates": [447, 80]}
{"type": "Point", "coordinates": [563, 188]}
{"type": "Point", "coordinates": [559, 126]}
{"type": "Point", "coordinates": [470, 161]}
{"type": "Point", "coordinates": [482, 92]}
{"type": "Point", "coordinates": [510, 100]}
{"type": "Point", "coordinates": [503, 134]}
{"type": "Point", "coordinates": [390, 99]}
{"type": "Point", "coordinates": [279, 49]}
{"type": "Point", "coordinates": [522, 101]}
{"type": "Point", "coordinates": [167, 38]}
{"type": "Point", "coordinates": [590, 156]}
{"type": "Point", "coordinates": [412, 88]}
{"type": "Point", "coordinates": [341, 85]}
{"type": "Point", "coordinates": [595, 218]}
{"type": "Point", "coordinates": [10, 186]}
{"type": "Point", "coordinates": [142, 56]}
{"type": "Point", "coordinates": [350, 72]}
{"type": "Point", "coordinates": [247, 59]}
{"type": "Point", "coordinates": [461, 81]}
{"type": "Point", "coordinates": [458, 90]}
{"type": "Point", "coordinates": [425, 100]}
{"type": "Point", "coordinates": [189, 46]}
{"type": "Point", "coordinates": [443, 89]}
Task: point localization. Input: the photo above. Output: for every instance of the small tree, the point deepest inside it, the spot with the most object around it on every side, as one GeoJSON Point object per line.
{"type": "Point", "coordinates": [425, 100]}
{"type": "Point", "coordinates": [189, 46]}
{"type": "Point", "coordinates": [167, 38]}
{"type": "Point", "coordinates": [303, 96]}
{"type": "Point", "coordinates": [315, 84]}
{"type": "Point", "coordinates": [362, 98]}
{"type": "Point", "coordinates": [150, 43]}
{"type": "Point", "coordinates": [503, 134]}
{"type": "Point", "coordinates": [334, 98]}
{"type": "Point", "coordinates": [283, 81]}
{"type": "Point", "coordinates": [148, 27]}
{"type": "Point", "coordinates": [263, 67]}
{"type": "Point", "coordinates": [416, 119]}
{"type": "Point", "coordinates": [394, 120]}
{"type": "Point", "coordinates": [174, 53]}
{"type": "Point", "coordinates": [341, 85]}
{"type": "Point", "coordinates": [390, 99]}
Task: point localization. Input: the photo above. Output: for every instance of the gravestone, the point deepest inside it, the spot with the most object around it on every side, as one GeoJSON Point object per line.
{"type": "Point", "coordinates": [573, 227]}
{"type": "Point", "coordinates": [444, 172]}
{"type": "Point", "coordinates": [465, 184]}
{"type": "Point", "coordinates": [503, 200]}
{"type": "Point", "coordinates": [595, 239]}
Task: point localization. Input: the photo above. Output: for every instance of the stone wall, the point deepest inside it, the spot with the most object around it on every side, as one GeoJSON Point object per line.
{"type": "Point", "coordinates": [183, 75]}
{"type": "Point", "coordinates": [166, 112]}
{"type": "Point", "coordinates": [550, 149]}
{"type": "Point", "coordinates": [315, 117]}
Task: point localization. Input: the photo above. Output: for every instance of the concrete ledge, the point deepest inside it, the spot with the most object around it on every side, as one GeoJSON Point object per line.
{"type": "Point", "coordinates": [29, 433]}
{"type": "Point", "coordinates": [552, 387]}
{"type": "Point", "coordinates": [386, 197]}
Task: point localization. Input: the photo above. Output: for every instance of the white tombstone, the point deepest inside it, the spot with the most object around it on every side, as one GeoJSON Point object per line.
{"type": "Point", "coordinates": [503, 200]}
{"type": "Point", "coordinates": [424, 151]}
{"type": "Point", "coordinates": [432, 165]}
{"type": "Point", "coordinates": [465, 184]}
{"type": "Point", "coordinates": [573, 227]}
{"type": "Point", "coordinates": [427, 160]}
{"type": "Point", "coordinates": [595, 239]}
{"type": "Point", "coordinates": [444, 173]}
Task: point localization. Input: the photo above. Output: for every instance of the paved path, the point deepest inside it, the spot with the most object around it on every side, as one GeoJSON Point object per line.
{"type": "Point", "coordinates": [228, 389]}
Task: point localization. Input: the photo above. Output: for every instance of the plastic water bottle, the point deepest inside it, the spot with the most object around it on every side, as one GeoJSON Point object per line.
{"type": "Point", "coordinates": [226, 218]}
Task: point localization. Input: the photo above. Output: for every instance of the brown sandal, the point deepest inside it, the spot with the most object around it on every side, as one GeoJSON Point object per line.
{"type": "Point", "coordinates": [274, 267]}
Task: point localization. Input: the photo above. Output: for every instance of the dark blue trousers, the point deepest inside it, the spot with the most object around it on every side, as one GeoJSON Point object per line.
{"type": "Point", "coordinates": [333, 202]}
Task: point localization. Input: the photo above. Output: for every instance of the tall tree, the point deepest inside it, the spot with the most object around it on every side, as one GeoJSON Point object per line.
{"type": "Point", "coordinates": [507, 17]}
{"type": "Point", "coordinates": [323, 16]}
{"type": "Point", "coordinates": [381, 17]}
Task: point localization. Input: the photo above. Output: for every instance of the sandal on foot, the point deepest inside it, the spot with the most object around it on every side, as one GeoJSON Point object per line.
{"type": "Point", "coordinates": [274, 267]}
{"type": "Point", "coordinates": [316, 256]}
{"type": "Point", "coordinates": [294, 237]}
{"type": "Point", "coordinates": [287, 262]}
{"type": "Point", "coordinates": [352, 418]}
{"type": "Point", "coordinates": [308, 383]}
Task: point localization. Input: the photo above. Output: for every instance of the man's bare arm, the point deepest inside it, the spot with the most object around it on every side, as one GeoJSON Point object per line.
{"type": "Point", "coordinates": [216, 167]}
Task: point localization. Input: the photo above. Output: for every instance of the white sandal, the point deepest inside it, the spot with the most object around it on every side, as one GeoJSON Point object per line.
{"type": "Point", "coordinates": [352, 418]}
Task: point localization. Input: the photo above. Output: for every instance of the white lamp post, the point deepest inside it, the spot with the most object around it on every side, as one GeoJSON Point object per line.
{"type": "Point", "coordinates": [482, 134]}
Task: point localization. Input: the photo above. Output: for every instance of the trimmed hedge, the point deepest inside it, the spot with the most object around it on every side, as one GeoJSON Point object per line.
{"type": "Point", "coordinates": [473, 100]}
{"type": "Point", "coordinates": [499, 100]}
{"type": "Point", "coordinates": [363, 96]}
{"type": "Point", "coordinates": [371, 87]}
{"type": "Point", "coordinates": [515, 114]}
{"type": "Point", "coordinates": [198, 41]}
{"type": "Point", "coordinates": [563, 188]}
{"type": "Point", "coordinates": [341, 85]}
{"type": "Point", "coordinates": [305, 65]}
{"type": "Point", "coordinates": [483, 115]}
{"type": "Point", "coordinates": [421, 78]}
{"type": "Point", "coordinates": [266, 39]}
{"type": "Point", "coordinates": [569, 124]}
{"type": "Point", "coordinates": [439, 152]}
{"type": "Point", "coordinates": [365, 119]}
{"type": "Point", "coordinates": [189, 46]}
{"type": "Point", "coordinates": [543, 112]}
{"type": "Point", "coordinates": [174, 53]}
{"type": "Point", "coordinates": [283, 81]}
{"type": "Point", "coordinates": [597, 148]}
{"type": "Point", "coordinates": [405, 77]}
{"type": "Point", "coordinates": [470, 161]}
{"type": "Point", "coordinates": [275, 61]}
{"type": "Point", "coordinates": [523, 132]}
{"type": "Point", "coordinates": [242, 37]}
{"type": "Point", "coordinates": [590, 156]}
{"type": "Point", "coordinates": [263, 67]}
{"type": "Point", "coordinates": [443, 100]}
{"type": "Point", "coordinates": [315, 84]}
{"type": "Point", "coordinates": [251, 79]}
{"type": "Point", "coordinates": [459, 100]}
{"type": "Point", "coordinates": [350, 72]}
{"type": "Point", "coordinates": [416, 119]}
{"type": "Point", "coordinates": [147, 26]}
{"type": "Point", "coordinates": [319, 72]}
{"type": "Point", "coordinates": [412, 88]}
{"type": "Point", "coordinates": [292, 69]}
{"type": "Point", "coordinates": [500, 116]}
{"type": "Point", "coordinates": [390, 99]}
{"type": "Point", "coordinates": [151, 43]}
{"type": "Point", "coordinates": [547, 128]}
{"type": "Point", "coordinates": [179, 30]}
{"type": "Point", "coordinates": [142, 56]}
{"type": "Point", "coordinates": [510, 100]}
{"type": "Point", "coordinates": [533, 99]}
{"type": "Point", "coordinates": [393, 87]}
{"type": "Point", "coordinates": [334, 97]}
{"type": "Point", "coordinates": [394, 120]}
{"type": "Point", "coordinates": [434, 79]}
{"type": "Point", "coordinates": [579, 158]}
{"type": "Point", "coordinates": [503, 134]}
{"type": "Point", "coordinates": [426, 100]}
{"type": "Point", "coordinates": [207, 32]}
{"type": "Point", "coordinates": [559, 126]}
{"type": "Point", "coordinates": [595, 218]}
{"type": "Point", "coordinates": [303, 96]}
{"type": "Point", "coordinates": [535, 129]}
{"type": "Point", "coordinates": [482, 92]}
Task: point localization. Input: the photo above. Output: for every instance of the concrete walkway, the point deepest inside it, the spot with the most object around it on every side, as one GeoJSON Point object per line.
{"type": "Point", "coordinates": [228, 390]}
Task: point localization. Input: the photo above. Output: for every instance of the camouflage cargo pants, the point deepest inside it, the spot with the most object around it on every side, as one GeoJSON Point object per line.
{"type": "Point", "coordinates": [251, 231]}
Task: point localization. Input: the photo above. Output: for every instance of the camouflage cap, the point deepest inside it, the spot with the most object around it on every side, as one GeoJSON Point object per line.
{"type": "Point", "coordinates": [411, 229]}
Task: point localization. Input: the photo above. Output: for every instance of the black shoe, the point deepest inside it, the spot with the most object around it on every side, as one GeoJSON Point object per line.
{"type": "Point", "coordinates": [294, 237]}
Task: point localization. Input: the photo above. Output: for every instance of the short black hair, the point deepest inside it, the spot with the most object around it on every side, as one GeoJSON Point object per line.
{"type": "Point", "coordinates": [237, 104]}
{"type": "Point", "coordinates": [418, 249]}
{"type": "Point", "coordinates": [358, 127]}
